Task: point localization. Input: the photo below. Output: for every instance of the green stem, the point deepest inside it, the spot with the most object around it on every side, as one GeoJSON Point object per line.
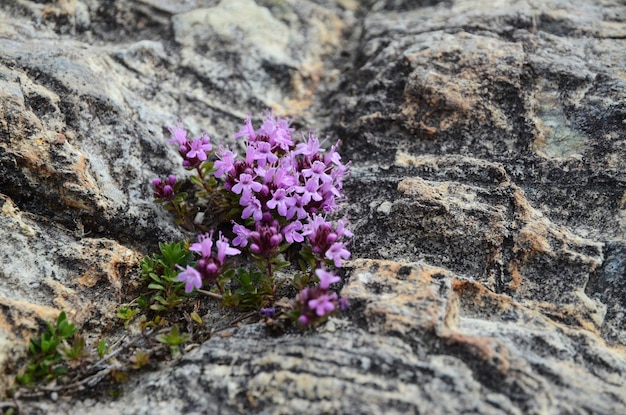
{"type": "Point", "coordinates": [177, 210]}
{"type": "Point", "coordinates": [209, 190]}
{"type": "Point", "coordinates": [271, 277]}
{"type": "Point", "coordinates": [210, 294]}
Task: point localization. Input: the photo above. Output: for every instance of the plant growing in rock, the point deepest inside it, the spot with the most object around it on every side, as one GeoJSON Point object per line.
{"type": "Point", "coordinates": [49, 353]}
{"type": "Point", "coordinates": [272, 206]}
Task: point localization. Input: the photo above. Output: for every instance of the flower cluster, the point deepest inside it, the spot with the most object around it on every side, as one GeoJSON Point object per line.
{"type": "Point", "coordinates": [164, 190]}
{"type": "Point", "coordinates": [193, 151]}
{"type": "Point", "coordinates": [280, 193]}
{"type": "Point", "coordinates": [285, 191]}
{"type": "Point", "coordinates": [211, 263]}
{"type": "Point", "coordinates": [313, 303]}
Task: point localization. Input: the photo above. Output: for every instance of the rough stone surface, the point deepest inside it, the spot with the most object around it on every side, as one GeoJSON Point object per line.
{"type": "Point", "coordinates": [487, 196]}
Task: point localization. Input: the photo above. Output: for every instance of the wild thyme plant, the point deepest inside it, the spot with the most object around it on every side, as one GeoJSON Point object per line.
{"type": "Point", "coordinates": [272, 204]}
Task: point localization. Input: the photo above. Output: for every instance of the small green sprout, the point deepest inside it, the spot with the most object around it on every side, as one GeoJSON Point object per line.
{"type": "Point", "coordinates": [174, 339]}
{"type": "Point", "coordinates": [140, 359]}
{"type": "Point", "coordinates": [126, 313]}
{"type": "Point", "coordinates": [102, 349]}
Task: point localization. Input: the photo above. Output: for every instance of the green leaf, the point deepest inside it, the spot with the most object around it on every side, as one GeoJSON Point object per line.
{"type": "Point", "coordinates": [207, 169]}
{"type": "Point", "coordinates": [76, 350]}
{"type": "Point", "coordinates": [126, 313]}
{"type": "Point", "coordinates": [175, 253]}
{"type": "Point", "coordinates": [142, 302]}
{"type": "Point", "coordinates": [102, 348]}
{"type": "Point", "coordinates": [160, 299]}
{"type": "Point", "coordinates": [155, 277]}
{"type": "Point", "coordinates": [281, 265]}
{"type": "Point", "coordinates": [197, 181]}
{"type": "Point", "coordinates": [155, 286]}
{"type": "Point", "coordinates": [174, 339]}
{"type": "Point", "coordinates": [196, 317]}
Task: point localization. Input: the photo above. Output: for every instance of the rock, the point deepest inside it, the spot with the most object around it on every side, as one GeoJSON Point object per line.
{"type": "Point", "coordinates": [487, 193]}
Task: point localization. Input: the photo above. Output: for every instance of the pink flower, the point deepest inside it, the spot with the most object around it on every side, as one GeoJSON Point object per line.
{"type": "Point", "coordinates": [280, 201]}
{"type": "Point", "coordinates": [291, 232]}
{"type": "Point", "coordinates": [223, 249]}
{"type": "Point", "coordinates": [323, 304]}
{"type": "Point", "coordinates": [283, 177]}
{"type": "Point", "coordinates": [164, 189]}
{"type": "Point", "coordinates": [191, 277]}
{"type": "Point", "coordinates": [245, 186]}
{"type": "Point", "coordinates": [247, 130]}
{"type": "Point", "coordinates": [263, 154]}
{"type": "Point", "coordinates": [317, 171]}
{"type": "Point", "coordinates": [337, 252]}
{"type": "Point", "coordinates": [309, 191]}
{"type": "Point", "coordinates": [204, 244]}
{"type": "Point", "coordinates": [199, 147]}
{"type": "Point", "coordinates": [278, 132]}
{"type": "Point", "coordinates": [225, 164]}
{"type": "Point", "coordinates": [326, 278]}
{"type": "Point", "coordinates": [297, 209]}
{"type": "Point", "coordinates": [333, 157]}
{"type": "Point", "coordinates": [253, 209]}
{"type": "Point", "coordinates": [242, 234]}
{"type": "Point", "coordinates": [310, 148]}
{"type": "Point", "coordinates": [342, 229]}
{"type": "Point", "coordinates": [179, 134]}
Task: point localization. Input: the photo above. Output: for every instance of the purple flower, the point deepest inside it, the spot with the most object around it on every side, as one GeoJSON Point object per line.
{"type": "Point", "coordinates": [309, 191]}
{"type": "Point", "coordinates": [326, 278]}
{"type": "Point", "coordinates": [263, 154]}
{"type": "Point", "coordinates": [199, 147]}
{"type": "Point", "coordinates": [204, 245]}
{"type": "Point", "coordinates": [247, 130]}
{"type": "Point", "coordinates": [291, 232]}
{"type": "Point", "coordinates": [277, 131]}
{"type": "Point", "coordinates": [268, 311]}
{"type": "Point", "coordinates": [223, 249]}
{"type": "Point", "coordinates": [191, 277]}
{"type": "Point", "coordinates": [333, 157]}
{"type": "Point", "coordinates": [310, 148]}
{"type": "Point", "coordinates": [342, 229]}
{"type": "Point", "coordinates": [330, 188]}
{"type": "Point", "coordinates": [323, 239]}
{"type": "Point", "coordinates": [323, 304]}
{"type": "Point", "coordinates": [317, 171]}
{"type": "Point", "coordinates": [242, 235]}
{"type": "Point", "coordinates": [280, 201]}
{"type": "Point", "coordinates": [245, 186]}
{"type": "Point", "coordinates": [282, 177]}
{"type": "Point", "coordinates": [250, 153]}
{"type": "Point", "coordinates": [179, 134]}
{"type": "Point", "coordinates": [317, 227]}
{"type": "Point", "coordinates": [297, 209]}
{"type": "Point", "coordinates": [337, 252]}
{"type": "Point", "coordinates": [225, 163]}
{"type": "Point", "coordinates": [265, 239]}
{"type": "Point", "coordinates": [253, 209]}
{"type": "Point", "coordinates": [315, 303]}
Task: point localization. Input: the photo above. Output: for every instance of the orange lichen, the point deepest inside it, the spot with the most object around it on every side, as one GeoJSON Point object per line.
{"type": "Point", "coordinates": [487, 350]}
{"type": "Point", "coordinates": [22, 318]}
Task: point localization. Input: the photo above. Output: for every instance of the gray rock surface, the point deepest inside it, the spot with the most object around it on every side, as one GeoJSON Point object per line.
{"type": "Point", "coordinates": [487, 194]}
